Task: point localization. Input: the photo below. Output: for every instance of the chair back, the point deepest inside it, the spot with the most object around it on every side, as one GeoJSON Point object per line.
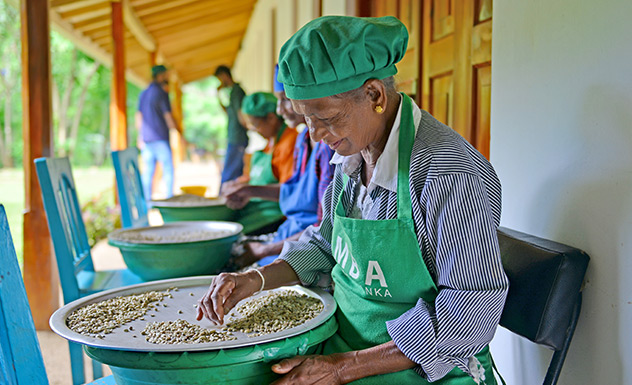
{"type": "Point", "coordinates": [65, 223]}
{"type": "Point", "coordinates": [544, 298]}
{"type": "Point", "coordinates": [130, 188]}
{"type": "Point", "coordinates": [21, 360]}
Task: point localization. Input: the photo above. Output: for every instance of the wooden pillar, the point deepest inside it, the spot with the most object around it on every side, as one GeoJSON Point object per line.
{"type": "Point", "coordinates": [118, 102]}
{"type": "Point", "coordinates": [363, 8]}
{"type": "Point", "coordinates": [318, 8]}
{"type": "Point", "coordinates": [40, 276]}
{"type": "Point", "coordinates": [178, 114]}
{"type": "Point", "coordinates": [152, 58]}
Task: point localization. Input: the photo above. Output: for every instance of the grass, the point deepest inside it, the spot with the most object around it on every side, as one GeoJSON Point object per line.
{"type": "Point", "coordinates": [89, 181]}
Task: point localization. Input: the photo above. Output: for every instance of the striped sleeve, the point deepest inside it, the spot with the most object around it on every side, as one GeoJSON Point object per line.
{"type": "Point", "coordinates": [325, 172]}
{"type": "Point", "coordinates": [310, 257]}
{"type": "Point", "coordinates": [471, 281]}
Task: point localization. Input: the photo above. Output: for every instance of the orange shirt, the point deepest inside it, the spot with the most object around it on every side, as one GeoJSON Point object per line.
{"type": "Point", "coordinates": [283, 154]}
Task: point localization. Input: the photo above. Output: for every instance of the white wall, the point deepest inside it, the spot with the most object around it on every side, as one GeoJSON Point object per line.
{"type": "Point", "coordinates": [254, 65]}
{"type": "Point", "coordinates": [562, 146]}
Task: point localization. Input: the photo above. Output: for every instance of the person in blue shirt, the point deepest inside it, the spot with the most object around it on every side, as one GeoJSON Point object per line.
{"type": "Point", "coordinates": [153, 121]}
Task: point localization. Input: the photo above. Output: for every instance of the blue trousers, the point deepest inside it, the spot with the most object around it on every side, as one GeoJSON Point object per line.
{"type": "Point", "coordinates": [233, 162]}
{"type": "Point", "coordinates": [158, 151]}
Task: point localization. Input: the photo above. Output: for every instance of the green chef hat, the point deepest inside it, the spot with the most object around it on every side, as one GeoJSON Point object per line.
{"type": "Point", "coordinates": [335, 54]}
{"type": "Point", "coordinates": [259, 104]}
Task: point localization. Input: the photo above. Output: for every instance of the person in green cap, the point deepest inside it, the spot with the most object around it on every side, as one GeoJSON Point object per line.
{"type": "Point", "coordinates": [408, 237]}
{"type": "Point", "coordinates": [268, 168]}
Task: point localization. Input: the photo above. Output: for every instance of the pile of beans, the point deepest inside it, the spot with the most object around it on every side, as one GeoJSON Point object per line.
{"type": "Point", "coordinates": [271, 313]}
{"type": "Point", "coordinates": [182, 332]}
{"type": "Point", "coordinates": [173, 235]}
{"type": "Point", "coordinates": [189, 200]}
{"type": "Point", "coordinates": [101, 318]}
{"type": "Point", "coordinates": [275, 312]}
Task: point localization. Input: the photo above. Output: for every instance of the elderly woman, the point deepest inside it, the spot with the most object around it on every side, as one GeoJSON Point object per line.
{"type": "Point", "coordinates": [268, 167]}
{"type": "Point", "coordinates": [408, 237]}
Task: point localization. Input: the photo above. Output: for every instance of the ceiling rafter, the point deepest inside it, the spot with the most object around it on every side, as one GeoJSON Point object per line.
{"type": "Point", "coordinates": [192, 37]}
{"type": "Point", "coordinates": [133, 23]}
{"type": "Point", "coordinates": [195, 11]}
{"type": "Point", "coordinates": [162, 6]}
{"type": "Point", "coordinates": [68, 5]}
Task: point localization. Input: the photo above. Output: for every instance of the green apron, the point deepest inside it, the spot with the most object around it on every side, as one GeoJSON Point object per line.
{"type": "Point", "coordinates": [380, 274]}
{"type": "Point", "coordinates": [260, 212]}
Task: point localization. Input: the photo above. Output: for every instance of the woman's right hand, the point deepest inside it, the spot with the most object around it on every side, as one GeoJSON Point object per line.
{"type": "Point", "coordinates": [225, 291]}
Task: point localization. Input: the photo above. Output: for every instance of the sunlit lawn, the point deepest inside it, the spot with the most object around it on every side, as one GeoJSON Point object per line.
{"type": "Point", "coordinates": [89, 181]}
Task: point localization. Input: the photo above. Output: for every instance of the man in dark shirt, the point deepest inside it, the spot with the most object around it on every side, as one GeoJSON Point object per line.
{"type": "Point", "coordinates": [153, 120]}
{"type": "Point", "coordinates": [237, 133]}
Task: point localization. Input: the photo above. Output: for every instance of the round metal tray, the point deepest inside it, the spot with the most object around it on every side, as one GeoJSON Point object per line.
{"type": "Point", "coordinates": [168, 229]}
{"type": "Point", "coordinates": [184, 301]}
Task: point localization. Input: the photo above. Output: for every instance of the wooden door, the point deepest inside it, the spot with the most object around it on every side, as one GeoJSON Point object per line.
{"type": "Point", "coordinates": [409, 12]}
{"type": "Point", "coordinates": [456, 66]}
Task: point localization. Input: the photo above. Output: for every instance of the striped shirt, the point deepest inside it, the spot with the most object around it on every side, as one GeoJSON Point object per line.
{"type": "Point", "coordinates": [456, 202]}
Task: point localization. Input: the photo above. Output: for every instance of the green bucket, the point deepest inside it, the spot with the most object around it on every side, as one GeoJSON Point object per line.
{"type": "Point", "coordinates": [244, 366]}
{"type": "Point", "coordinates": [154, 261]}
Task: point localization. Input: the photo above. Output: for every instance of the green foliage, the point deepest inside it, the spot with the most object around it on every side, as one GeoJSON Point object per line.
{"type": "Point", "coordinates": [10, 85]}
{"type": "Point", "coordinates": [101, 216]}
{"type": "Point", "coordinates": [204, 120]}
{"type": "Point", "coordinates": [72, 72]}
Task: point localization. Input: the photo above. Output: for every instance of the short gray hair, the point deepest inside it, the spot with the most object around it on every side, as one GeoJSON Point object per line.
{"type": "Point", "coordinates": [356, 94]}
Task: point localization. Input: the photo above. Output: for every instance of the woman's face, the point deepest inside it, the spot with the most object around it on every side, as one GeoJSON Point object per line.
{"type": "Point", "coordinates": [348, 124]}
{"type": "Point", "coordinates": [267, 126]}
{"type": "Point", "coordinates": [285, 109]}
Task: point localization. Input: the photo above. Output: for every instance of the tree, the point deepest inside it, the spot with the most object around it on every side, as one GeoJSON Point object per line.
{"type": "Point", "coordinates": [72, 74]}
{"type": "Point", "coordinates": [10, 79]}
{"type": "Point", "coordinates": [204, 121]}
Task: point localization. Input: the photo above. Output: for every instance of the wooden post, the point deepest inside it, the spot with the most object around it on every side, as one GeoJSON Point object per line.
{"type": "Point", "coordinates": [152, 58]}
{"type": "Point", "coordinates": [118, 102]}
{"type": "Point", "coordinates": [318, 8]}
{"type": "Point", "coordinates": [178, 114]}
{"type": "Point", "coordinates": [40, 276]}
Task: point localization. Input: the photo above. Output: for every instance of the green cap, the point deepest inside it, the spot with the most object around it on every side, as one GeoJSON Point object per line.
{"type": "Point", "coordinates": [157, 70]}
{"type": "Point", "coordinates": [259, 104]}
{"type": "Point", "coordinates": [335, 54]}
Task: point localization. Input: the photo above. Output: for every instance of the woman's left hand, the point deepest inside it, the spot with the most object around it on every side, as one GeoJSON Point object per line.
{"type": "Point", "coordinates": [304, 370]}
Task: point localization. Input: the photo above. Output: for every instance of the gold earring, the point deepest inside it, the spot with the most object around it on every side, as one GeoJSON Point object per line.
{"type": "Point", "coordinates": [379, 109]}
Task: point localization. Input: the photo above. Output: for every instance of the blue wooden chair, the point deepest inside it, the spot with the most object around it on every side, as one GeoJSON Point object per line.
{"type": "Point", "coordinates": [74, 260]}
{"type": "Point", "coordinates": [21, 360]}
{"type": "Point", "coordinates": [130, 188]}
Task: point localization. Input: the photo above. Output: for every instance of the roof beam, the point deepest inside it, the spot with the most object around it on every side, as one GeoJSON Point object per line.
{"type": "Point", "coordinates": [162, 6]}
{"type": "Point", "coordinates": [87, 13]}
{"type": "Point", "coordinates": [196, 11]}
{"type": "Point", "coordinates": [65, 29]}
{"type": "Point", "coordinates": [192, 20]}
{"type": "Point", "coordinates": [218, 31]}
{"type": "Point", "coordinates": [137, 28]}
{"type": "Point", "coordinates": [69, 5]}
{"type": "Point", "coordinates": [96, 23]}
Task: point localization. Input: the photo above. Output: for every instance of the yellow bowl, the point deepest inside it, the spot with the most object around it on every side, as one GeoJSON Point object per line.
{"type": "Point", "coordinates": [195, 190]}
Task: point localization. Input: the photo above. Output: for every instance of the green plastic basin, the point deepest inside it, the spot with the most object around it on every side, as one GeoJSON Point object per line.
{"type": "Point", "coordinates": [207, 213]}
{"type": "Point", "coordinates": [201, 209]}
{"type": "Point", "coordinates": [244, 366]}
{"type": "Point", "coordinates": [154, 261]}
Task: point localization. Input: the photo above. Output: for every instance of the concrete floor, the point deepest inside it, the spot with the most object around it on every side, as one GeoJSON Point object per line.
{"type": "Point", "coordinates": [106, 257]}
